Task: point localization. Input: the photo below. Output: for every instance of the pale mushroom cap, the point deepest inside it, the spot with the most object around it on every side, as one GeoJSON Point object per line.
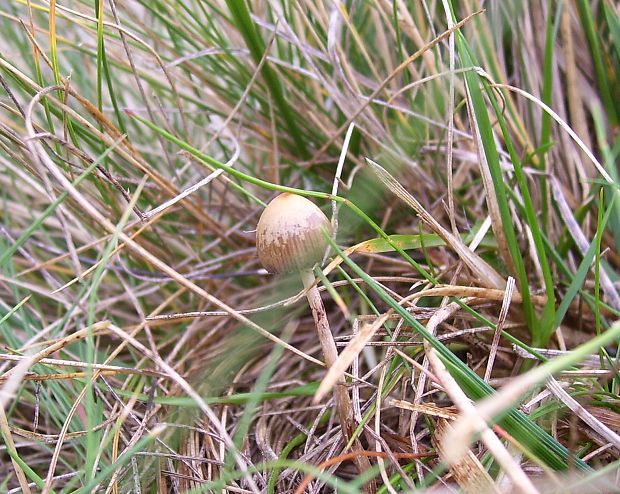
{"type": "Point", "coordinates": [289, 235]}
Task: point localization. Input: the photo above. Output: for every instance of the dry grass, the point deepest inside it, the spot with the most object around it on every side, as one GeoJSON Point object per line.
{"type": "Point", "coordinates": [469, 162]}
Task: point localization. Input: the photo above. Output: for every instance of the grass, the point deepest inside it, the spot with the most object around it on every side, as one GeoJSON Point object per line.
{"type": "Point", "coordinates": [145, 350]}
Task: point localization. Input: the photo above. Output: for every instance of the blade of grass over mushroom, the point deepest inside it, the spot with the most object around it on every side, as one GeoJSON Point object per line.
{"type": "Point", "coordinates": [394, 242]}
{"type": "Point", "coordinates": [359, 291]}
{"type": "Point", "coordinates": [210, 161]}
{"type": "Point", "coordinates": [332, 292]}
{"type": "Point", "coordinates": [531, 436]}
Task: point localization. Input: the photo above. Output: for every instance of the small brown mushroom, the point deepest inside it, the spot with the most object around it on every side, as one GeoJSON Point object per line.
{"type": "Point", "coordinates": [291, 236]}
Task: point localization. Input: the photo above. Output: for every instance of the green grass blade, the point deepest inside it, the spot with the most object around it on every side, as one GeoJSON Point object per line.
{"type": "Point", "coordinates": [580, 275]}
{"type": "Point", "coordinates": [596, 51]}
{"type": "Point", "coordinates": [529, 434]}
{"type": "Point", "coordinates": [35, 225]}
{"type": "Point", "coordinates": [256, 45]}
{"type": "Point", "coordinates": [485, 130]}
{"type": "Point", "coordinates": [542, 329]}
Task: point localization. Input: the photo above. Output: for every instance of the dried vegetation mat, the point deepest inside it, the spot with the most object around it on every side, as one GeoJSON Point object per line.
{"type": "Point", "coordinates": [465, 154]}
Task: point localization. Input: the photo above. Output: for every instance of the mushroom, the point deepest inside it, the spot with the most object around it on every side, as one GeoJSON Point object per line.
{"type": "Point", "coordinates": [290, 237]}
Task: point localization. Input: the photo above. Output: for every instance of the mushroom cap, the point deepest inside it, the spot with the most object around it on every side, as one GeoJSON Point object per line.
{"type": "Point", "coordinates": [289, 235]}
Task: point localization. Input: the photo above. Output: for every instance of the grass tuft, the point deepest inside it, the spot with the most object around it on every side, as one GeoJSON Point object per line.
{"type": "Point", "coordinates": [467, 153]}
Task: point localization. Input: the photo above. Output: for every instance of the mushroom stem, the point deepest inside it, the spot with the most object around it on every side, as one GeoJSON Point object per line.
{"type": "Point", "coordinates": [328, 345]}
{"type": "Point", "coordinates": [330, 354]}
